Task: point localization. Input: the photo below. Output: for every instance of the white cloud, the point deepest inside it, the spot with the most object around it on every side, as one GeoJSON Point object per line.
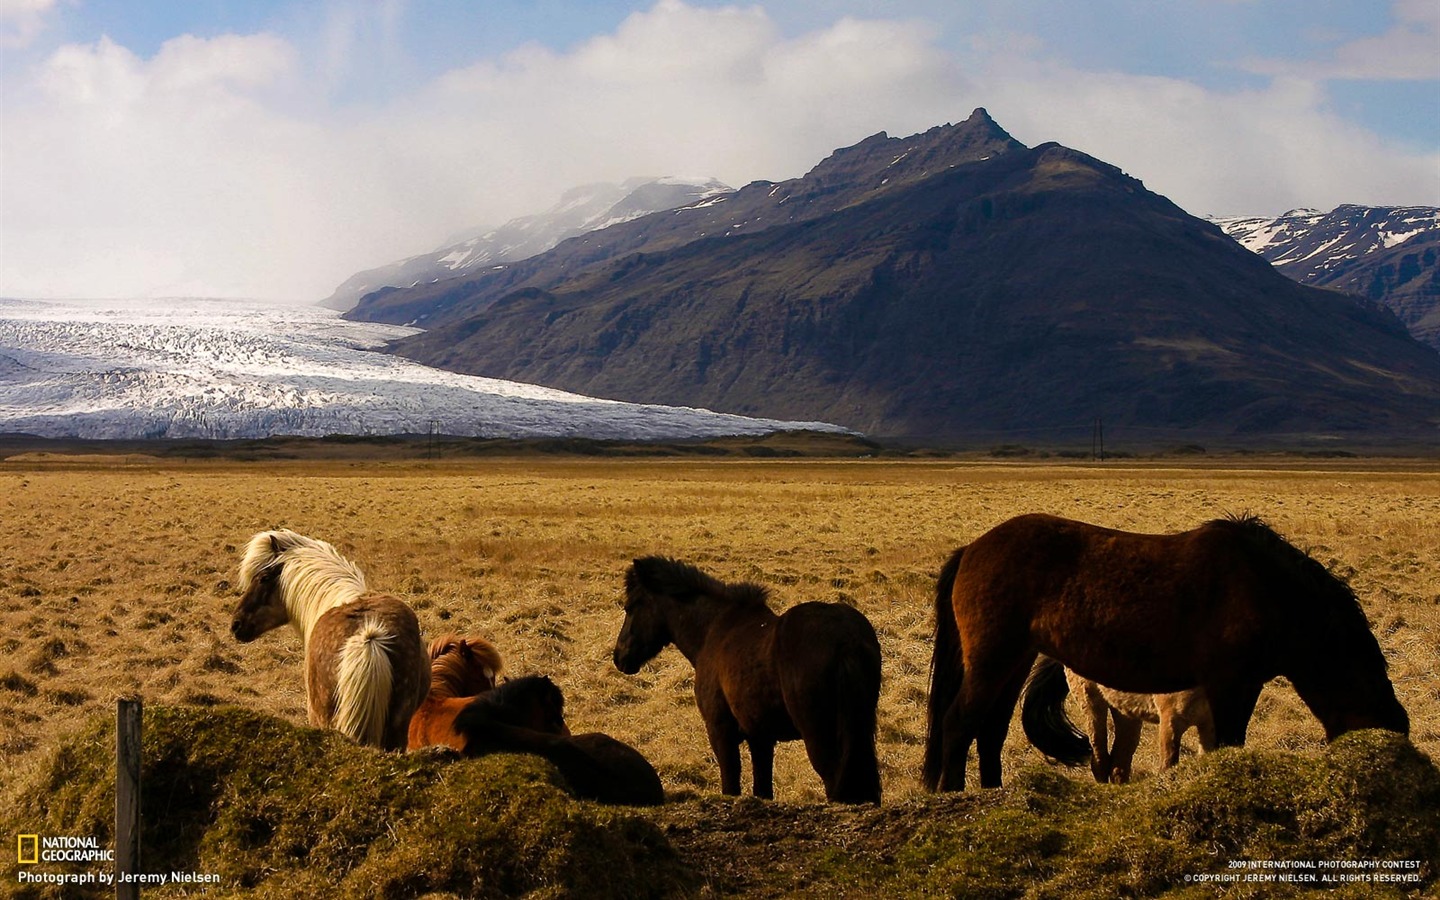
{"type": "Point", "coordinates": [21, 21]}
{"type": "Point", "coordinates": [225, 166]}
{"type": "Point", "coordinates": [1408, 51]}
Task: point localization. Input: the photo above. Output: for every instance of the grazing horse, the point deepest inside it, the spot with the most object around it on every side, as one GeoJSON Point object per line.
{"type": "Point", "coordinates": [460, 668]}
{"type": "Point", "coordinates": [526, 715]}
{"type": "Point", "coordinates": [1224, 607]}
{"type": "Point", "coordinates": [1175, 713]}
{"type": "Point", "coordinates": [812, 673]}
{"type": "Point", "coordinates": [365, 667]}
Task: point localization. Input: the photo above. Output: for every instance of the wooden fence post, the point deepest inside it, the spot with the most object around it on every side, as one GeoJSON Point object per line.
{"type": "Point", "coordinates": [127, 796]}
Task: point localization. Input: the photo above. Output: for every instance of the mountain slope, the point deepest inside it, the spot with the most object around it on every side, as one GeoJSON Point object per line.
{"type": "Point", "coordinates": [1002, 291]}
{"type": "Point", "coordinates": [580, 210]}
{"type": "Point", "coordinates": [1388, 254]}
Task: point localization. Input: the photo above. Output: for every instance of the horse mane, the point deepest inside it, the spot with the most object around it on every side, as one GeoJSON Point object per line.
{"type": "Point", "coordinates": [684, 582]}
{"type": "Point", "coordinates": [1338, 604]}
{"type": "Point", "coordinates": [313, 576]}
{"type": "Point", "coordinates": [459, 666]}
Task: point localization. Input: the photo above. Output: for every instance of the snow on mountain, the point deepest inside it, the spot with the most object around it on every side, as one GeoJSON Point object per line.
{"type": "Point", "coordinates": [1306, 243]}
{"type": "Point", "coordinates": [1390, 254]}
{"type": "Point", "coordinates": [580, 210]}
{"type": "Point", "coordinates": [222, 369]}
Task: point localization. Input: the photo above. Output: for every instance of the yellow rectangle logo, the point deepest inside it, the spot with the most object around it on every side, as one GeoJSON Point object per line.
{"type": "Point", "coordinates": [28, 849]}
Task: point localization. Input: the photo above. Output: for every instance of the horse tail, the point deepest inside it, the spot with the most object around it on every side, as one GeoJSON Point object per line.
{"type": "Point", "coordinates": [858, 771]}
{"type": "Point", "coordinates": [1042, 714]}
{"type": "Point", "coordinates": [947, 671]}
{"type": "Point", "coordinates": [364, 683]}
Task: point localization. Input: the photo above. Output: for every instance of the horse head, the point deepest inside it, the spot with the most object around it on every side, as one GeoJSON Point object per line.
{"type": "Point", "coordinates": [652, 586]}
{"type": "Point", "coordinates": [467, 665]}
{"type": "Point", "coordinates": [262, 602]}
{"type": "Point", "coordinates": [531, 701]}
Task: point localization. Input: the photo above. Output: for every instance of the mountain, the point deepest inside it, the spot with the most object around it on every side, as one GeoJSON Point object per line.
{"type": "Point", "coordinates": [949, 286]}
{"type": "Point", "coordinates": [876, 167]}
{"type": "Point", "coordinates": [1390, 254]}
{"type": "Point", "coordinates": [221, 369]}
{"type": "Point", "coordinates": [580, 209]}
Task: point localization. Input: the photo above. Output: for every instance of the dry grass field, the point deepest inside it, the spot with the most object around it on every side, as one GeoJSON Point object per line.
{"type": "Point", "coordinates": [117, 575]}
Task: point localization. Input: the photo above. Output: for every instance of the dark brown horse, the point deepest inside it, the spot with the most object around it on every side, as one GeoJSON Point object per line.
{"type": "Point", "coordinates": [1225, 607]}
{"type": "Point", "coordinates": [460, 669]}
{"type": "Point", "coordinates": [526, 715]}
{"type": "Point", "coordinates": [812, 673]}
{"type": "Point", "coordinates": [365, 667]}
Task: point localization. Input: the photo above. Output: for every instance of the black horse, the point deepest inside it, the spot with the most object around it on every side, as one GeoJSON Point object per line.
{"type": "Point", "coordinates": [811, 674]}
{"type": "Point", "coordinates": [527, 715]}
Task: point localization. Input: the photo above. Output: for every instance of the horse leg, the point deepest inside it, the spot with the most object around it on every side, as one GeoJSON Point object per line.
{"type": "Point", "coordinates": [957, 731]}
{"type": "Point", "coordinates": [1127, 738]}
{"type": "Point", "coordinates": [1172, 727]}
{"type": "Point", "coordinates": [1205, 728]}
{"type": "Point", "coordinates": [762, 768]}
{"type": "Point", "coordinates": [1098, 711]}
{"type": "Point", "coordinates": [725, 744]}
{"type": "Point", "coordinates": [996, 725]}
{"type": "Point", "coordinates": [1232, 705]}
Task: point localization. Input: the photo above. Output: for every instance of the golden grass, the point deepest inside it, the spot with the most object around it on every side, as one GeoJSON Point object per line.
{"type": "Point", "coordinates": [118, 575]}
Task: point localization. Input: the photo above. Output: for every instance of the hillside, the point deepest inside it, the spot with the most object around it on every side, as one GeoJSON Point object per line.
{"type": "Point", "coordinates": [949, 286]}
{"type": "Point", "coordinates": [1389, 254]}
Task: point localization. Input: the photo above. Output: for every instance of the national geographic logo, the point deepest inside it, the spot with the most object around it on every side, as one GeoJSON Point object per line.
{"type": "Point", "coordinates": [32, 849]}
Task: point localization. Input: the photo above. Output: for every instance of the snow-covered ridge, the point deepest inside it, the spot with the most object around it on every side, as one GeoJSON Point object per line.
{"type": "Point", "coordinates": [222, 369]}
{"type": "Point", "coordinates": [1313, 240]}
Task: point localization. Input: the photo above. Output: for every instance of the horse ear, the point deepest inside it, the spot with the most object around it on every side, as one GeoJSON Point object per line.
{"type": "Point", "coordinates": [275, 544]}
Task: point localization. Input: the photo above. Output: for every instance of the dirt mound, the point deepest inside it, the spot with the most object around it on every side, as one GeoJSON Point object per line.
{"type": "Point", "coordinates": [281, 811]}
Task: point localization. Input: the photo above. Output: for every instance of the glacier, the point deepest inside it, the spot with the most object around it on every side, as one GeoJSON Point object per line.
{"type": "Point", "coordinates": [225, 369]}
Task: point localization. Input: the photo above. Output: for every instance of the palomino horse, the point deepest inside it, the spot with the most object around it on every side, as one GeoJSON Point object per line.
{"type": "Point", "coordinates": [1175, 713]}
{"type": "Point", "coordinates": [460, 668]}
{"type": "Point", "coordinates": [526, 715]}
{"type": "Point", "coordinates": [365, 667]}
{"type": "Point", "coordinates": [812, 673]}
{"type": "Point", "coordinates": [1224, 607]}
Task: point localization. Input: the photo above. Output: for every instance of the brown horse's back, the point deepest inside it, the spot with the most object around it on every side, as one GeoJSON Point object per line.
{"type": "Point", "coordinates": [1081, 592]}
{"type": "Point", "coordinates": [381, 636]}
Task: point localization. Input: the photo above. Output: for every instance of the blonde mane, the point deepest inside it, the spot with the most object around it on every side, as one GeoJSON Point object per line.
{"type": "Point", "coordinates": [462, 667]}
{"type": "Point", "coordinates": [314, 577]}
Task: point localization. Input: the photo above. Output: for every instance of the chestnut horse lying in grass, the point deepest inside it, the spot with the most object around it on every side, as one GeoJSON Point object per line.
{"type": "Point", "coordinates": [365, 667]}
{"type": "Point", "coordinates": [1175, 713]}
{"type": "Point", "coordinates": [812, 673]}
{"type": "Point", "coordinates": [524, 715]}
{"type": "Point", "coordinates": [1224, 607]}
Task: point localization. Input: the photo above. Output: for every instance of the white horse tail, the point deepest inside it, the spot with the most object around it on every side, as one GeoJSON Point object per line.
{"type": "Point", "coordinates": [364, 683]}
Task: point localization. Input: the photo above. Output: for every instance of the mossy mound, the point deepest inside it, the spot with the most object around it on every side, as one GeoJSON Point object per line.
{"type": "Point", "coordinates": [1372, 797]}
{"type": "Point", "coordinates": [280, 811]}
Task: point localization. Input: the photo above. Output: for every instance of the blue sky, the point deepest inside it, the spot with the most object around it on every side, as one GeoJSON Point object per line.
{"type": "Point", "coordinates": [273, 148]}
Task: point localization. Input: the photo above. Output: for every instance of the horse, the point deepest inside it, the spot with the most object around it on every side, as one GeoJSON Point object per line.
{"type": "Point", "coordinates": [526, 715]}
{"type": "Point", "coordinates": [1175, 713]}
{"type": "Point", "coordinates": [812, 673]}
{"type": "Point", "coordinates": [460, 669]}
{"type": "Point", "coordinates": [1224, 607]}
{"type": "Point", "coordinates": [366, 669]}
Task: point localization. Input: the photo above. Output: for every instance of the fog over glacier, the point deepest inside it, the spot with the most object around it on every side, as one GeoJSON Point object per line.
{"type": "Point", "coordinates": [225, 369]}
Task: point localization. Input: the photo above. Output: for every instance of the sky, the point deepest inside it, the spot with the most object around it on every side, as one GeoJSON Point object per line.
{"type": "Point", "coordinates": [271, 148]}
